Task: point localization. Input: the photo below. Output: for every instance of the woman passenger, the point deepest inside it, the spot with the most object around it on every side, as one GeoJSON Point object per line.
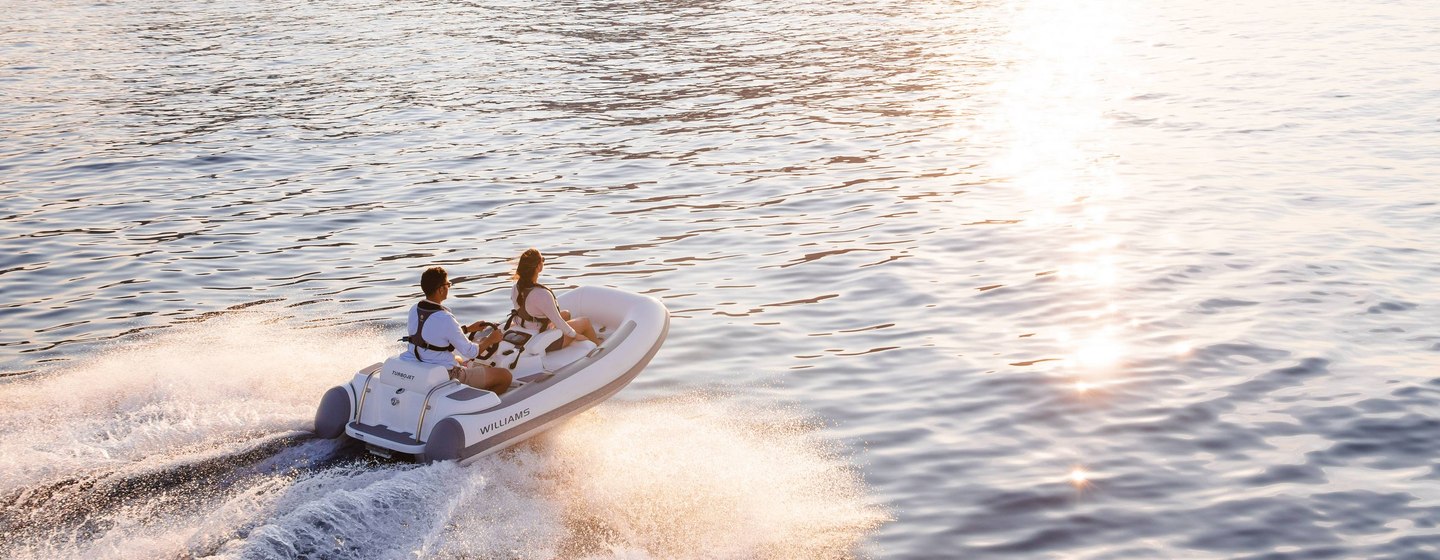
{"type": "Point", "coordinates": [536, 308]}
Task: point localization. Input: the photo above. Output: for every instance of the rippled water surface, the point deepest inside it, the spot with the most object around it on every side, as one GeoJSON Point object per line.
{"type": "Point", "coordinates": [1006, 278]}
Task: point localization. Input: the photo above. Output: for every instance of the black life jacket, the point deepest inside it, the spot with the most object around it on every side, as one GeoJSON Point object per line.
{"type": "Point", "coordinates": [520, 312]}
{"type": "Point", "coordinates": [417, 341]}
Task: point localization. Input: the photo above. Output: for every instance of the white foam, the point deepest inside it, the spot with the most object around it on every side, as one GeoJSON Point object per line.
{"type": "Point", "coordinates": [692, 477]}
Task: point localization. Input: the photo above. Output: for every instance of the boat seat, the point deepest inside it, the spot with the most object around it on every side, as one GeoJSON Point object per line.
{"type": "Point", "coordinates": [522, 351]}
{"type": "Point", "coordinates": [567, 355]}
{"type": "Point", "coordinates": [414, 376]}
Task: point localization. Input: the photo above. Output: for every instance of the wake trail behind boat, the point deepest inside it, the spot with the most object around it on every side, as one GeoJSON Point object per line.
{"type": "Point", "coordinates": [195, 390]}
{"type": "Point", "coordinates": [84, 504]}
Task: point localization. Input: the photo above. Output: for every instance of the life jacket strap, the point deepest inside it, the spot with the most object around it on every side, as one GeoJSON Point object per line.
{"type": "Point", "coordinates": [520, 312]}
{"type": "Point", "coordinates": [417, 340]}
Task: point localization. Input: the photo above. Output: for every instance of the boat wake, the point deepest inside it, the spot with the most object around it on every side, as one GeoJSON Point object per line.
{"type": "Point", "coordinates": [196, 444]}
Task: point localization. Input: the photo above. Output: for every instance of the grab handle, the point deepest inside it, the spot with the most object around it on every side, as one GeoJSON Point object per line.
{"type": "Point", "coordinates": [425, 407]}
{"type": "Point", "coordinates": [366, 392]}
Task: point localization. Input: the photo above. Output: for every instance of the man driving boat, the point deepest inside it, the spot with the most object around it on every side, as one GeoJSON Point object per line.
{"type": "Point", "coordinates": [437, 337]}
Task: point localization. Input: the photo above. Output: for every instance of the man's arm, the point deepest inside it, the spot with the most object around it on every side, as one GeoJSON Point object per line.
{"type": "Point", "coordinates": [456, 337]}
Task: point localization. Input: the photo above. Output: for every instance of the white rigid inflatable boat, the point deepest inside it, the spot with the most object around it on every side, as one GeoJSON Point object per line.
{"type": "Point", "coordinates": [413, 408]}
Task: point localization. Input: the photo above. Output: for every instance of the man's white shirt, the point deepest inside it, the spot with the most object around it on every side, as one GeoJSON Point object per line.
{"type": "Point", "coordinates": [441, 329]}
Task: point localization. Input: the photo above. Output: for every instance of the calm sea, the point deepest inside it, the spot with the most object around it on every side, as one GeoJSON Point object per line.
{"type": "Point", "coordinates": [1101, 279]}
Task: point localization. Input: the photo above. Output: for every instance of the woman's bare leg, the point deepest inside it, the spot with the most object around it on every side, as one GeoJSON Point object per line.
{"type": "Point", "coordinates": [582, 326]}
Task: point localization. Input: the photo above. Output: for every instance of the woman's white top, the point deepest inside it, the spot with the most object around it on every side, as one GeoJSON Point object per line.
{"type": "Point", "coordinates": [540, 303]}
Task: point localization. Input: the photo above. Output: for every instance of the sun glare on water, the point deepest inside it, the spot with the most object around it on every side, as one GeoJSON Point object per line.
{"type": "Point", "coordinates": [1053, 105]}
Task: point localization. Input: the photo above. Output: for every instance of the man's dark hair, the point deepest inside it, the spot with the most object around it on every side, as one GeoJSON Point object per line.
{"type": "Point", "coordinates": [432, 279]}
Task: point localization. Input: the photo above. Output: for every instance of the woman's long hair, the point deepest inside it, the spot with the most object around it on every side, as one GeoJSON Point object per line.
{"type": "Point", "coordinates": [526, 273]}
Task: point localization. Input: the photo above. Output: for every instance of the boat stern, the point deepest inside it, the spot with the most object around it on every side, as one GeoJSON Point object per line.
{"type": "Point", "coordinates": [400, 403]}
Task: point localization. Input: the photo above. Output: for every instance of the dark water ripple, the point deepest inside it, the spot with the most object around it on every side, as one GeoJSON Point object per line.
{"type": "Point", "coordinates": [1080, 279]}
